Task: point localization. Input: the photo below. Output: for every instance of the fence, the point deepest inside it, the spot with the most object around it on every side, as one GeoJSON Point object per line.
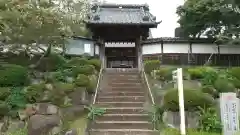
{"type": "Point", "coordinates": [196, 59]}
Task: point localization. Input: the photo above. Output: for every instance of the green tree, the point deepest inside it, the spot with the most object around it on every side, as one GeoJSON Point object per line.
{"type": "Point", "coordinates": [212, 18]}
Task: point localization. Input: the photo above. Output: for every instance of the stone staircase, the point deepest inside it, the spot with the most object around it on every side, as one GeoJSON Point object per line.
{"type": "Point", "coordinates": [123, 97]}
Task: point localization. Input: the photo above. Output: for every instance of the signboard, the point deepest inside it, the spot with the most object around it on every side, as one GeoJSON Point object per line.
{"type": "Point", "coordinates": [229, 113]}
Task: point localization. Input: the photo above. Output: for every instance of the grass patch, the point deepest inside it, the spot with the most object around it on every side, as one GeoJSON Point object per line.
{"type": "Point", "coordinates": [170, 131]}
{"type": "Point", "coordinates": [80, 124]}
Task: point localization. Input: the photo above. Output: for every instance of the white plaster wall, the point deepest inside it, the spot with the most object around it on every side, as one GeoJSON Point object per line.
{"type": "Point", "coordinates": [119, 44]}
{"type": "Point", "coordinates": [151, 49]}
{"type": "Point", "coordinates": [228, 49]}
{"type": "Point", "coordinates": [175, 48]}
{"type": "Point", "coordinates": [97, 49]}
{"type": "Point", "coordinates": [204, 48]}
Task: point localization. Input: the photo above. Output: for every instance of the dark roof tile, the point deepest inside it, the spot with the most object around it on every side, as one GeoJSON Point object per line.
{"type": "Point", "coordinates": [121, 14]}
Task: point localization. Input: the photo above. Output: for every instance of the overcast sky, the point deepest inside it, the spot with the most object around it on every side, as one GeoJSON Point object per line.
{"type": "Point", "coordinates": [164, 10]}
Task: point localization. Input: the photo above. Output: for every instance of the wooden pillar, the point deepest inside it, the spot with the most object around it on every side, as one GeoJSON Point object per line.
{"type": "Point", "coordinates": [102, 54]}
{"type": "Point", "coordinates": [139, 53]}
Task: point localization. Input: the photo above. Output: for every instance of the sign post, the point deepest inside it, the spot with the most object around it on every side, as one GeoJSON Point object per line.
{"type": "Point", "coordinates": [229, 113]}
{"type": "Point", "coordinates": [177, 76]}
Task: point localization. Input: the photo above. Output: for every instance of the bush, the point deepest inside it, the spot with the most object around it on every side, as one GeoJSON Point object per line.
{"type": "Point", "coordinates": [151, 65]}
{"type": "Point", "coordinates": [196, 73]}
{"type": "Point", "coordinates": [210, 90]}
{"type": "Point", "coordinates": [57, 97]}
{"type": "Point", "coordinates": [74, 62]}
{"type": "Point", "coordinates": [34, 93]}
{"type": "Point", "coordinates": [13, 75]}
{"type": "Point", "coordinates": [96, 63]}
{"type": "Point", "coordinates": [164, 74]}
{"type": "Point", "coordinates": [86, 70]}
{"type": "Point", "coordinates": [223, 85]}
{"type": "Point", "coordinates": [65, 87]}
{"type": "Point", "coordinates": [192, 100]}
{"type": "Point", "coordinates": [4, 93]}
{"type": "Point", "coordinates": [82, 81]}
{"type": "Point", "coordinates": [235, 72]}
{"type": "Point", "coordinates": [53, 62]}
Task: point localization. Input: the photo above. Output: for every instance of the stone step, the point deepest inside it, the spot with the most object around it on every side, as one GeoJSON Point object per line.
{"type": "Point", "coordinates": [136, 88]}
{"type": "Point", "coordinates": [120, 93]}
{"type": "Point", "coordinates": [123, 132]}
{"type": "Point", "coordinates": [126, 84]}
{"type": "Point", "coordinates": [122, 125]}
{"type": "Point", "coordinates": [120, 104]}
{"type": "Point", "coordinates": [121, 99]}
{"type": "Point", "coordinates": [123, 76]}
{"type": "Point", "coordinates": [124, 117]}
{"type": "Point", "coordinates": [125, 110]}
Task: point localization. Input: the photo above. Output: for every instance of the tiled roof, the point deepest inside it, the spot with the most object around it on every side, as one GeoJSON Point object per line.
{"type": "Point", "coordinates": [177, 40]}
{"type": "Point", "coordinates": [121, 14]}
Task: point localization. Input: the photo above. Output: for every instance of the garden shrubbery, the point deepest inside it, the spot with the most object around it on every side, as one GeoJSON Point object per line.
{"type": "Point", "coordinates": [59, 77]}
{"type": "Point", "coordinates": [151, 65]}
{"type": "Point", "coordinates": [192, 100]}
{"type": "Point", "coordinates": [13, 75]}
{"type": "Point", "coordinates": [164, 74]}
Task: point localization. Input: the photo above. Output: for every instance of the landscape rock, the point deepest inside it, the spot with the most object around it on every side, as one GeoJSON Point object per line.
{"type": "Point", "coordinates": [173, 119]}
{"type": "Point", "coordinates": [71, 132]}
{"type": "Point", "coordinates": [72, 111]}
{"type": "Point", "coordinates": [15, 125]}
{"type": "Point", "coordinates": [79, 96]}
{"type": "Point", "coordinates": [44, 124]}
{"type": "Point", "coordinates": [49, 86]}
{"type": "Point", "coordinates": [69, 79]}
{"type": "Point", "coordinates": [46, 109]}
{"type": "Point", "coordinates": [27, 112]}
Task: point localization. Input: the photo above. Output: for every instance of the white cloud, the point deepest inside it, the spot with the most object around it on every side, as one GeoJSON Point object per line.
{"type": "Point", "coordinates": [164, 10]}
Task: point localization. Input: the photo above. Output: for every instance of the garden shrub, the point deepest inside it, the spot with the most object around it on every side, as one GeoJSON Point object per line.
{"type": "Point", "coordinates": [35, 92]}
{"type": "Point", "coordinates": [151, 65]}
{"type": "Point", "coordinates": [57, 97]}
{"type": "Point", "coordinates": [4, 92]}
{"type": "Point", "coordinates": [209, 76]}
{"type": "Point", "coordinates": [76, 61]}
{"type": "Point", "coordinates": [82, 81]}
{"type": "Point", "coordinates": [96, 63]}
{"type": "Point", "coordinates": [86, 70]}
{"type": "Point", "coordinates": [13, 75]}
{"type": "Point", "coordinates": [235, 72]}
{"type": "Point", "coordinates": [53, 62]}
{"type": "Point", "coordinates": [17, 99]}
{"type": "Point", "coordinates": [192, 100]}
{"type": "Point", "coordinates": [164, 74]}
{"type": "Point", "coordinates": [92, 84]}
{"type": "Point", "coordinates": [65, 87]}
{"type": "Point", "coordinates": [196, 73]}
{"type": "Point", "coordinates": [58, 76]}
{"type": "Point", "coordinates": [224, 85]}
{"type": "Point", "coordinates": [210, 90]}
{"type": "Point", "coordinates": [236, 83]}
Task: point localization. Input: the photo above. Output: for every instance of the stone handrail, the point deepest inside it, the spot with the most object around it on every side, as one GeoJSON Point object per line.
{"type": "Point", "coordinates": [98, 85]}
{"type": "Point", "coordinates": [147, 83]}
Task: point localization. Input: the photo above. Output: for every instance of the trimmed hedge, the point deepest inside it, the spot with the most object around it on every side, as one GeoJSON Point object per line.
{"type": "Point", "coordinates": [210, 90]}
{"type": "Point", "coordinates": [223, 85]}
{"type": "Point", "coordinates": [34, 93]}
{"type": "Point", "coordinates": [192, 100]}
{"type": "Point", "coordinates": [151, 65]}
{"type": "Point", "coordinates": [96, 63]}
{"type": "Point", "coordinates": [13, 75]}
{"type": "Point", "coordinates": [86, 70]}
{"type": "Point", "coordinates": [164, 74]}
{"type": "Point", "coordinates": [82, 81]}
